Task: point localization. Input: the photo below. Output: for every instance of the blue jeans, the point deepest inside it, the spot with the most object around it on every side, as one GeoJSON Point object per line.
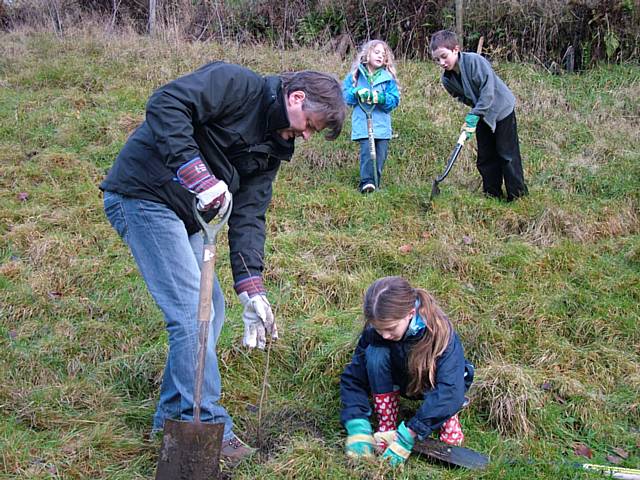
{"type": "Point", "coordinates": [383, 378]}
{"type": "Point", "coordinates": [366, 165]}
{"type": "Point", "coordinates": [169, 260]}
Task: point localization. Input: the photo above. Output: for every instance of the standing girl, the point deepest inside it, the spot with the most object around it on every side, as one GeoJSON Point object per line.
{"type": "Point", "coordinates": [409, 348]}
{"type": "Point", "coordinates": [372, 88]}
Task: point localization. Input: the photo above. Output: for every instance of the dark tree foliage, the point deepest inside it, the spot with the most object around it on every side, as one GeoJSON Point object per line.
{"type": "Point", "coordinates": [539, 30]}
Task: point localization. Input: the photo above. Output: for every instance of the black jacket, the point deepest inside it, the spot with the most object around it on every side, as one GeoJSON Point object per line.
{"type": "Point", "coordinates": [228, 116]}
{"type": "Point", "coordinates": [439, 403]}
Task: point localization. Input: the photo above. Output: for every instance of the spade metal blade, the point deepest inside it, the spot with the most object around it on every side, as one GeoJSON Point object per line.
{"type": "Point", "coordinates": [451, 455]}
{"type": "Point", "coordinates": [189, 451]}
{"type": "Point", "coordinates": [435, 190]}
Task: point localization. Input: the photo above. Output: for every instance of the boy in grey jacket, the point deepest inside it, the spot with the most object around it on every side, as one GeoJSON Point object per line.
{"type": "Point", "coordinates": [470, 79]}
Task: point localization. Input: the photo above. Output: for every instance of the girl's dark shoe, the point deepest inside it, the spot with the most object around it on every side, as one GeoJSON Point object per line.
{"type": "Point", "coordinates": [368, 188]}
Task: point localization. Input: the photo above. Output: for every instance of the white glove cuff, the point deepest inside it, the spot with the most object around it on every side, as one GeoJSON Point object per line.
{"type": "Point", "coordinates": [210, 194]}
{"type": "Point", "coordinates": [244, 298]}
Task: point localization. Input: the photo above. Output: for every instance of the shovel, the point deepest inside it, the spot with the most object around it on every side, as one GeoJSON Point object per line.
{"type": "Point", "coordinates": [372, 141]}
{"type": "Point", "coordinates": [191, 450]}
{"type": "Point", "coordinates": [435, 190]}
{"type": "Point", "coordinates": [451, 455]}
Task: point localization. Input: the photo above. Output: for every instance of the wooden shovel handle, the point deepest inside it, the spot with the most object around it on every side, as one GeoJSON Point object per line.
{"type": "Point", "coordinates": [210, 233]}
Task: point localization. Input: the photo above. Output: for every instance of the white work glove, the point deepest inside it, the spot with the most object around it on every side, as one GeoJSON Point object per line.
{"type": "Point", "coordinates": [211, 192]}
{"type": "Point", "coordinates": [215, 197]}
{"type": "Point", "coordinates": [384, 439]}
{"type": "Point", "coordinates": [258, 320]}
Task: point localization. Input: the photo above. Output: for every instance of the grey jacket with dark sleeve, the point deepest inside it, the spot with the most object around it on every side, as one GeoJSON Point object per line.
{"type": "Point", "coordinates": [481, 89]}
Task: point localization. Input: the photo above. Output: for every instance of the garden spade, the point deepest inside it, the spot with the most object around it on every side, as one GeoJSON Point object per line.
{"type": "Point", "coordinates": [368, 111]}
{"type": "Point", "coordinates": [435, 190]}
{"type": "Point", "coordinates": [191, 450]}
{"type": "Point", "coordinates": [451, 455]}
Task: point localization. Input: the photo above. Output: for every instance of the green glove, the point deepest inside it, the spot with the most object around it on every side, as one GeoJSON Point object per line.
{"type": "Point", "coordinates": [364, 94]}
{"type": "Point", "coordinates": [398, 452]}
{"type": "Point", "coordinates": [470, 124]}
{"type": "Point", "coordinates": [360, 442]}
{"type": "Point", "coordinates": [378, 97]}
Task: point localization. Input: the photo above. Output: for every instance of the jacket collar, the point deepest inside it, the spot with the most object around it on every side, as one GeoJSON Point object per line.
{"type": "Point", "coordinates": [461, 66]}
{"type": "Point", "coordinates": [383, 75]}
{"type": "Point", "coordinates": [461, 61]}
{"type": "Point", "coordinates": [274, 104]}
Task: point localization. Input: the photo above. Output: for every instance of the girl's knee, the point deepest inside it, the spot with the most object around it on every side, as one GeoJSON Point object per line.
{"type": "Point", "coordinates": [378, 358]}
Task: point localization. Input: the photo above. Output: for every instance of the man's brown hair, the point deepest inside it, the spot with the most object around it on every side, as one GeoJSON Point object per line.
{"type": "Point", "coordinates": [323, 95]}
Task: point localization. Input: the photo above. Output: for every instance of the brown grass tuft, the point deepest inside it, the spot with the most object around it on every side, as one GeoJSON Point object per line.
{"type": "Point", "coordinates": [617, 222]}
{"type": "Point", "coordinates": [508, 395]}
{"type": "Point", "coordinates": [12, 270]}
{"type": "Point", "coordinates": [555, 224]}
{"type": "Point", "coordinates": [128, 123]}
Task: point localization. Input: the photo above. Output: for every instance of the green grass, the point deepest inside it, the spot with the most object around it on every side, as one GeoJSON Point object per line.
{"type": "Point", "coordinates": [545, 292]}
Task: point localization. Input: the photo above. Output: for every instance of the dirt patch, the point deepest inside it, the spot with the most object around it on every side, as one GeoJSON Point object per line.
{"type": "Point", "coordinates": [278, 427]}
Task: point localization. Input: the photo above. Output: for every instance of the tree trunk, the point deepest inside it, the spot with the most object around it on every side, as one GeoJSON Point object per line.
{"type": "Point", "coordinates": [54, 12]}
{"type": "Point", "coordinates": [152, 17]}
{"type": "Point", "coordinates": [459, 23]}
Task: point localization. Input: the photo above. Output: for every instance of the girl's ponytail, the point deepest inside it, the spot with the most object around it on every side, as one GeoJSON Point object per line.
{"type": "Point", "coordinates": [424, 354]}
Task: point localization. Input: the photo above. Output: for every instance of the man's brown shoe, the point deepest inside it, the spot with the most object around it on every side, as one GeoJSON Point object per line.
{"type": "Point", "coordinates": [234, 450]}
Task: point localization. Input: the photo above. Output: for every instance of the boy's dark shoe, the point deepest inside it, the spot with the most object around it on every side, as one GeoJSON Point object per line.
{"type": "Point", "coordinates": [234, 450]}
{"type": "Point", "coordinates": [515, 196]}
{"type": "Point", "coordinates": [368, 188]}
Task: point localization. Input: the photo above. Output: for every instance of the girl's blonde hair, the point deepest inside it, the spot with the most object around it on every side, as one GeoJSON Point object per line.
{"type": "Point", "coordinates": [363, 57]}
{"type": "Point", "coordinates": [389, 299]}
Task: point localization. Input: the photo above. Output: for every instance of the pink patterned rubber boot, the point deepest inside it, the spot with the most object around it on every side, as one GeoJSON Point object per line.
{"type": "Point", "coordinates": [386, 406]}
{"type": "Point", "coordinates": [451, 431]}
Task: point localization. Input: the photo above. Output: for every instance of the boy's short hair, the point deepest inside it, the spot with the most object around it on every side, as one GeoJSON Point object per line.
{"type": "Point", "coordinates": [443, 38]}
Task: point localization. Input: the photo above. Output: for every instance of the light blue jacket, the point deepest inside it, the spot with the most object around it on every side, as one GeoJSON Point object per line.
{"type": "Point", "coordinates": [481, 89]}
{"type": "Point", "coordinates": [381, 113]}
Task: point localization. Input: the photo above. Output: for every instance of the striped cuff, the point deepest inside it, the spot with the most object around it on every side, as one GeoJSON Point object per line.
{"type": "Point", "coordinates": [399, 450]}
{"type": "Point", "coordinates": [195, 176]}
{"type": "Point", "coordinates": [251, 285]}
{"type": "Point", "coordinates": [360, 438]}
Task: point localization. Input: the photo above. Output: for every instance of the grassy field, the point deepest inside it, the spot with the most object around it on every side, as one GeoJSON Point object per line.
{"type": "Point", "coordinates": [545, 292]}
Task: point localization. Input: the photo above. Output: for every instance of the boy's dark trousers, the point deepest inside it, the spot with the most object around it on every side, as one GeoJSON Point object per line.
{"type": "Point", "coordinates": [499, 159]}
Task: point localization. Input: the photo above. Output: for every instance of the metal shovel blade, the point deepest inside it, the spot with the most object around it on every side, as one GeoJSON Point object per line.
{"type": "Point", "coordinates": [451, 455]}
{"type": "Point", "coordinates": [190, 451]}
{"type": "Point", "coordinates": [435, 190]}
